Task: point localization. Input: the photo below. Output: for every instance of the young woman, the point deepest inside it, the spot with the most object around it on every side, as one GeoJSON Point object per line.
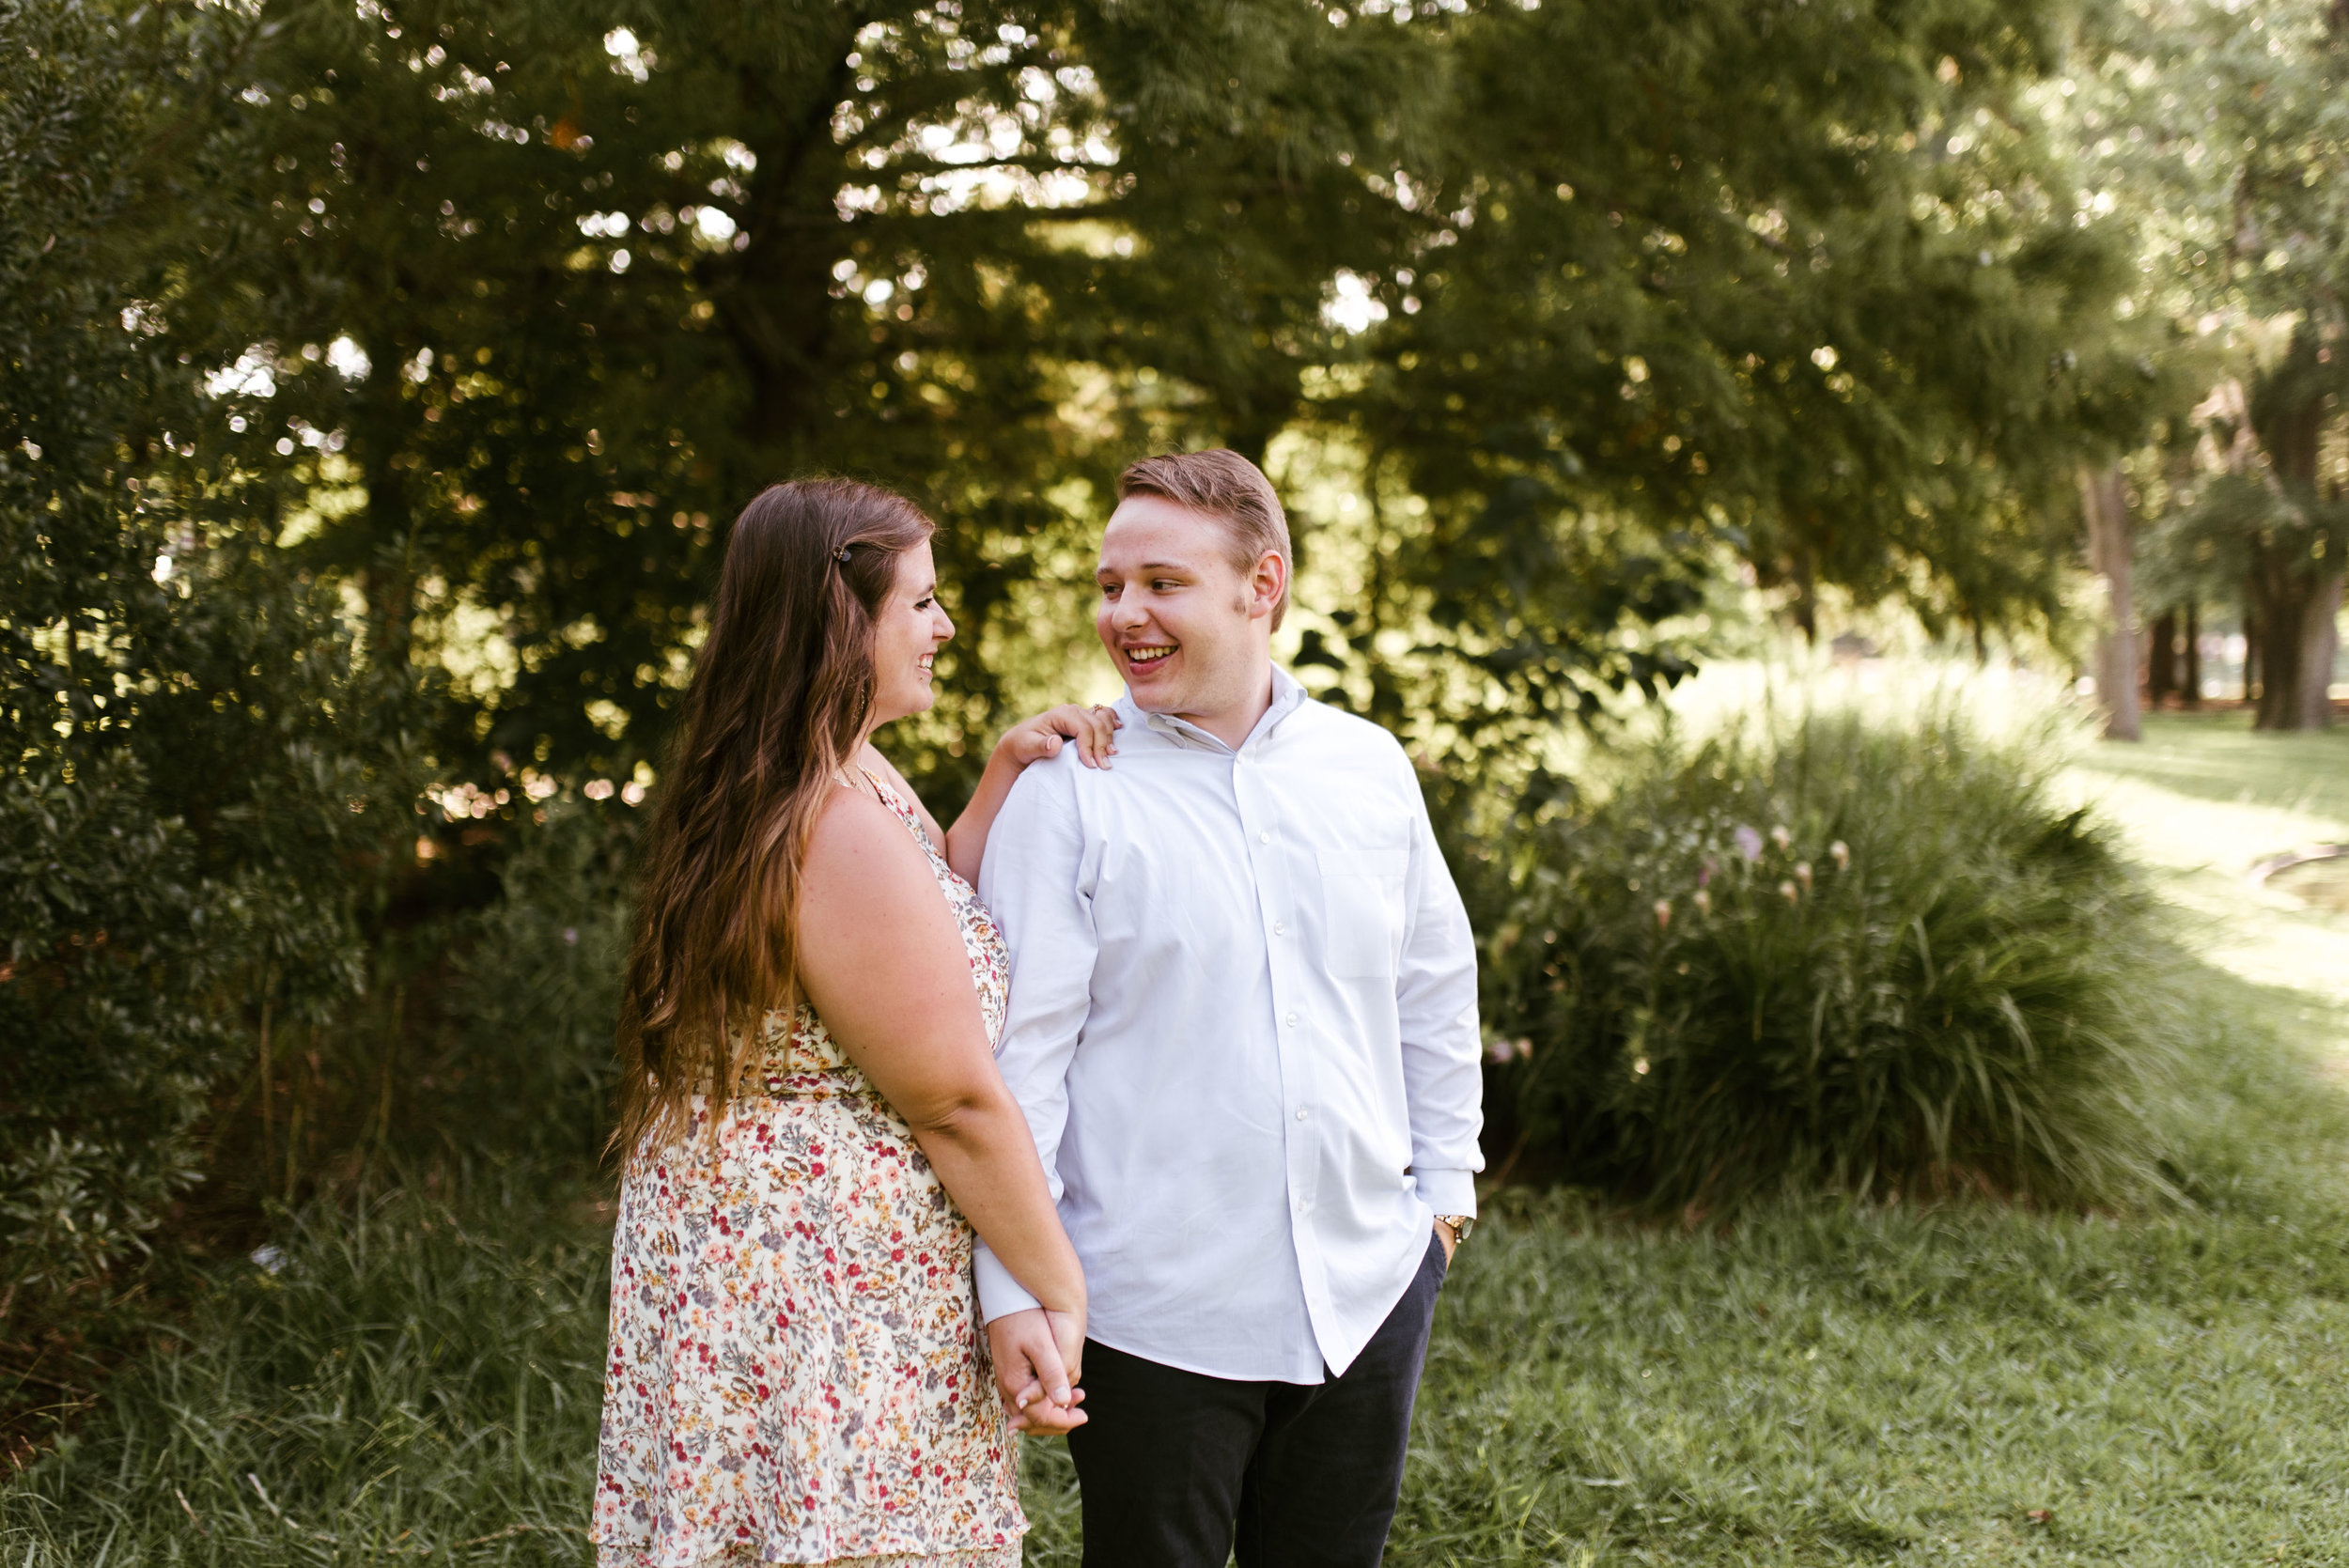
{"type": "Point", "coordinates": [809, 1095]}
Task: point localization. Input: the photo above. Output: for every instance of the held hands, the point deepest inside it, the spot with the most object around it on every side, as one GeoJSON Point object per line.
{"type": "Point", "coordinates": [1094, 730]}
{"type": "Point", "coordinates": [1038, 1355]}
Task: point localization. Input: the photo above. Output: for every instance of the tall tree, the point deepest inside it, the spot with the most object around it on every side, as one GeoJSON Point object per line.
{"type": "Point", "coordinates": [1806, 280]}
{"type": "Point", "coordinates": [2227, 126]}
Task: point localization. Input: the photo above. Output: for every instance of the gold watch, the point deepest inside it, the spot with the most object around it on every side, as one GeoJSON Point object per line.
{"type": "Point", "coordinates": [1459, 1225]}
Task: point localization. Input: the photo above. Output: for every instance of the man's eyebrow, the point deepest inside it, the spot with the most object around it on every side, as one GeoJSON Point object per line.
{"type": "Point", "coordinates": [1151, 565]}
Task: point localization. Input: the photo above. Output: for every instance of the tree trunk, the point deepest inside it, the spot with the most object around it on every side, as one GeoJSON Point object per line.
{"type": "Point", "coordinates": [773, 294]}
{"type": "Point", "coordinates": [2161, 658]}
{"type": "Point", "coordinates": [1806, 599]}
{"type": "Point", "coordinates": [2320, 644]}
{"type": "Point", "coordinates": [2297, 593]}
{"type": "Point", "coordinates": [2250, 650]}
{"type": "Point", "coordinates": [2104, 497]}
{"type": "Point", "coordinates": [2191, 686]}
{"type": "Point", "coordinates": [2281, 593]}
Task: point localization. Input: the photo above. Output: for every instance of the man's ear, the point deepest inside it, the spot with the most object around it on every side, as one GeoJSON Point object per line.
{"type": "Point", "coordinates": [1267, 584]}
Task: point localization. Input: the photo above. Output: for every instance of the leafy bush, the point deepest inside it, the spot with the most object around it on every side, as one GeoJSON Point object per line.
{"type": "Point", "coordinates": [203, 765]}
{"type": "Point", "coordinates": [534, 995]}
{"type": "Point", "coordinates": [113, 947]}
{"type": "Point", "coordinates": [1871, 955]}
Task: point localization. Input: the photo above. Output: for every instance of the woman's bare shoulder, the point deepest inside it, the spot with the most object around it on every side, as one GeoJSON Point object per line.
{"type": "Point", "coordinates": [860, 852]}
{"type": "Point", "coordinates": [869, 903]}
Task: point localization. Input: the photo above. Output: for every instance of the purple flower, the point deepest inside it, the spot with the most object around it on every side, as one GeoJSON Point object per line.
{"type": "Point", "coordinates": [1749, 842]}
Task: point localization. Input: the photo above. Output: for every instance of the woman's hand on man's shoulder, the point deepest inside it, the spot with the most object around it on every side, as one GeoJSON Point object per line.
{"type": "Point", "coordinates": [1093, 729]}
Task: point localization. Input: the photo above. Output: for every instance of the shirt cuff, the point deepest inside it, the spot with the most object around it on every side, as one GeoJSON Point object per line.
{"type": "Point", "coordinates": [1000, 1295]}
{"type": "Point", "coordinates": [1447, 1191]}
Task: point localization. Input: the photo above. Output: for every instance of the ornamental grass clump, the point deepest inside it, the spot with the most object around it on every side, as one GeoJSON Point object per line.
{"type": "Point", "coordinates": [1870, 956]}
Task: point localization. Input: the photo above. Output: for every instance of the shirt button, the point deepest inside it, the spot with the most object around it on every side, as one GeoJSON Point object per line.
{"type": "Point", "coordinates": [1290, 1020]}
{"type": "Point", "coordinates": [1264, 838]}
{"type": "Point", "coordinates": [1300, 1114]}
{"type": "Point", "coordinates": [1279, 928]}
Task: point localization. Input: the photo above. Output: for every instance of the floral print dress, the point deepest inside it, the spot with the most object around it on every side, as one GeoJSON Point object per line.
{"type": "Point", "coordinates": [795, 1372]}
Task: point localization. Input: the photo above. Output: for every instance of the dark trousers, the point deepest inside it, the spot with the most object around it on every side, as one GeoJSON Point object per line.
{"type": "Point", "coordinates": [1182, 1471]}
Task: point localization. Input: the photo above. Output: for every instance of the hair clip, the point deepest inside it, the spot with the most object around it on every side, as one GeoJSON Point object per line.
{"type": "Point", "coordinates": [841, 554]}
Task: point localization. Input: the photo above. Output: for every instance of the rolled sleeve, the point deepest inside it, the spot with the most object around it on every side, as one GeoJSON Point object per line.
{"type": "Point", "coordinates": [1436, 1010]}
{"type": "Point", "coordinates": [1447, 1191]}
{"type": "Point", "coordinates": [1000, 1294]}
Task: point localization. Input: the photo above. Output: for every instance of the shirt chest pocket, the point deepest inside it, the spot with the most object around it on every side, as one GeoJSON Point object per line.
{"type": "Point", "coordinates": [1361, 911]}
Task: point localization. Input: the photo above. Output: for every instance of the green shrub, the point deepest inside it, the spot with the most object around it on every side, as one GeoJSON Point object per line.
{"type": "Point", "coordinates": [1864, 954]}
{"type": "Point", "coordinates": [205, 770]}
{"type": "Point", "coordinates": [526, 1058]}
{"type": "Point", "coordinates": [112, 948]}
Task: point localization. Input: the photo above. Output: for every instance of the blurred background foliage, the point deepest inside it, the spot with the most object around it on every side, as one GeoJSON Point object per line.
{"type": "Point", "coordinates": [378, 380]}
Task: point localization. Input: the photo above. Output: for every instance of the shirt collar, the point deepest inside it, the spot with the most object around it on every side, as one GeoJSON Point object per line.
{"type": "Point", "coordinates": [1288, 695]}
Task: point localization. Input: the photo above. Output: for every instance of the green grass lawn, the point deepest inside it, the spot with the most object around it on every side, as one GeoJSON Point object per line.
{"type": "Point", "coordinates": [1814, 1385]}
{"type": "Point", "coordinates": [2218, 757]}
{"type": "Point", "coordinates": [2204, 800]}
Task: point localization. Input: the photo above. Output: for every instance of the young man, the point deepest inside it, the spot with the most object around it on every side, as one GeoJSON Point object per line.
{"type": "Point", "coordinates": [1243, 1028]}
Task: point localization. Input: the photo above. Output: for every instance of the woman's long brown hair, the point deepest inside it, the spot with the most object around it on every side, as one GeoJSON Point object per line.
{"type": "Point", "coordinates": [780, 696]}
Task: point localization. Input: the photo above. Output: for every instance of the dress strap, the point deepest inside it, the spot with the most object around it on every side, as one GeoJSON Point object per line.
{"type": "Point", "coordinates": [887, 796]}
{"type": "Point", "coordinates": [897, 804]}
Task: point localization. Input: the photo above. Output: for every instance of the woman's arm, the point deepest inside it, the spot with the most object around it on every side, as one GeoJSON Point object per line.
{"type": "Point", "coordinates": [1094, 730]}
{"type": "Point", "coordinates": [881, 961]}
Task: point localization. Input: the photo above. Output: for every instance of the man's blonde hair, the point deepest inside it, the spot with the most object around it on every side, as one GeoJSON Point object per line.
{"type": "Point", "coordinates": [1228, 488]}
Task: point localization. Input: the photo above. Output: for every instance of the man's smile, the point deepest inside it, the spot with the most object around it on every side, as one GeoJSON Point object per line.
{"type": "Point", "coordinates": [1150, 655]}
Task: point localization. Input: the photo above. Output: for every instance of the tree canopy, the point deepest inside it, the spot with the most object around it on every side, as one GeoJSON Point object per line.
{"type": "Point", "coordinates": [508, 306]}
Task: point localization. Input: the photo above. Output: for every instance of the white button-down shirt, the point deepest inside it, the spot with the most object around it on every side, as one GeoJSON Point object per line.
{"type": "Point", "coordinates": [1243, 1028]}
